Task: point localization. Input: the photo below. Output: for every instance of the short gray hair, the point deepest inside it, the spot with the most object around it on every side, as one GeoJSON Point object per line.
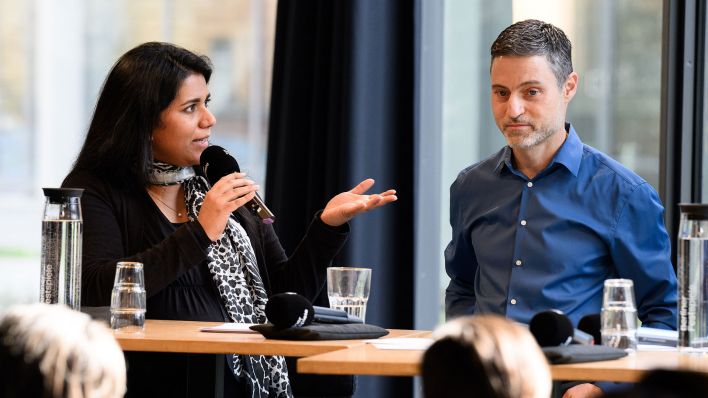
{"type": "Point", "coordinates": [533, 37]}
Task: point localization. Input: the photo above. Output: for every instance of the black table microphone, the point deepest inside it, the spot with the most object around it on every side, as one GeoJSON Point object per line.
{"type": "Point", "coordinates": [289, 310]}
{"type": "Point", "coordinates": [590, 324]}
{"type": "Point", "coordinates": [551, 328]}
{"type": "Point", "coordinates": [216, 163]}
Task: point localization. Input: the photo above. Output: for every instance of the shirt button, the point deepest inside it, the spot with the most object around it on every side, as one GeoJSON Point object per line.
{"type": "Point", "coordinates": [529, 184]}
{"type": "Point", "coordinates": [513, 301]}
{"type": "Point", "coordinates": [518, 263]}
{"type": "Point", "coordinates": [523, 222]}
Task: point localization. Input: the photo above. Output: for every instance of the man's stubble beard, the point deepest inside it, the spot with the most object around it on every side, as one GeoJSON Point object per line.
{"type": "Point", "coordinates": [536, 137]}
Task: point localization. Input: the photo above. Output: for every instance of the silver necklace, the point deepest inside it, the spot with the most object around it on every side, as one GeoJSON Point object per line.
{"type": "Point", "coordinates": [154, 195]}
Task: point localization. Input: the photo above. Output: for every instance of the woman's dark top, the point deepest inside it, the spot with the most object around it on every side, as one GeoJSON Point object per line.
{"type": "Point", "coordinates": [124, 224]}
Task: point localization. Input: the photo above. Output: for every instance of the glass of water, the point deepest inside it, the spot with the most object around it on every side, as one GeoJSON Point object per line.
{"type": "Point", "coordinates": [348, 289]}
{"type": "Point", "coordinates": [128, 298]}
{"type": "Point", "coordinates": [618, 318]}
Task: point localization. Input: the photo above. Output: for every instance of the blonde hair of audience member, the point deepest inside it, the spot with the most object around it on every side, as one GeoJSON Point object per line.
{"type": "Point", "coordinates": [494, 357]}
{"type": "Point", "coordinates": [52, 351]}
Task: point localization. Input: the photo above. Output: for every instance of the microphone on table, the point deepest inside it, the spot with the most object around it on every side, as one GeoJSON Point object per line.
{"type": "Point", "coordinates": [554, 328]}
{"type": "Point", "coordinates": [286, 310]}
{"type": "Point", "coordinates": [590, 324]}
{"type": "Point", "coordinates": [216, 163]}
{"type": "Point", "coordinates": [291, 310]}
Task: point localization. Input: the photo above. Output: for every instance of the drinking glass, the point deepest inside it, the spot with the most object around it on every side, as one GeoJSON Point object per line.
{"type": "Point", "coordinates": [618, 318]}
{"type": "Point", "coordinates": [348, 289]}
{"type": "Point", "coordinates": [128, 297]}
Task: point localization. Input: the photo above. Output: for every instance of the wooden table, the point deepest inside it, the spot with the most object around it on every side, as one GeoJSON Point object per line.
{"type": "Point", "coordinates": [354, 357]}
{"type": "Point", "coordinates": [368, 360]}
{"type": "Point", "coordinates": [632, 367]}
{"type": "Point", "coordinates": [187, 337]}
{"type": "Point", "coordinates": [363, 359]}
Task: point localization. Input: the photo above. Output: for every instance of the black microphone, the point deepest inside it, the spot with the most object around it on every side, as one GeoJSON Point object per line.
{"type": "Point", "coordinates": [590, 324]}
{"type": "Point", "coordinates": [216, 163]}
{"type": "Point", "coordinates": [291, 310]}
{"type": "Point", "coordinates": [551, 328]}
{"type": "Point", "coordinates": [554, 328]}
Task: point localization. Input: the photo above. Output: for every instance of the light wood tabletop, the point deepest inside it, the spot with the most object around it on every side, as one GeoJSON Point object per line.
{"type": "Point", "coordinates": [632, 367]}
{"type": "Point", "coordinates": [187, 337]}
{"type": "Point", "coordinates": [349, 357]}
{"type": "Point", "coordinates": [368, 360]}
{"type": "Point", "coordinates": [363, 359]}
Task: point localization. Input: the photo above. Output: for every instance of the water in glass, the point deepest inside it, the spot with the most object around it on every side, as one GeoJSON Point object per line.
{"type": "Point", "coordinates": [351, 305]}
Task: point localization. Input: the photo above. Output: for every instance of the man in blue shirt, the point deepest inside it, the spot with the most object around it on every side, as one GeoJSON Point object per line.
{"type": "Point", "coordinates": [542, 223]}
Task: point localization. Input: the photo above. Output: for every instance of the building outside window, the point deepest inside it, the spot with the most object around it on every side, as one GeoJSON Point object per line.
{"type": "Point", "coordinates": [55, 57]}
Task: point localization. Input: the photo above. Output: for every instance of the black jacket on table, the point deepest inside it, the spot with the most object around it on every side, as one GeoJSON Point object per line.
{"type": "Point", "coordinates": [124, 224]}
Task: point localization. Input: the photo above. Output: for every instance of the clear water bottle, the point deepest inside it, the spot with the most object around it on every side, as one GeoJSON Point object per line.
{"type": "Point", "coordinates": [691, 273]}
{"type": "Point", "coordinates": [62, 228]}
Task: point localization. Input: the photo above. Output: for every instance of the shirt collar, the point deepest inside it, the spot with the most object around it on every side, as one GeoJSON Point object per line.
{"type": "Point", "coordinates": [569, 155]}
{"type": "Point", "coordinates": [504, 159]}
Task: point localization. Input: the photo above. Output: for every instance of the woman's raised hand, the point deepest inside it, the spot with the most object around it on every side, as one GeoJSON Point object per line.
{"type": "Point", "coordinates": [346, 205]}
{"type": "Point", "coordinates": [228, 194]}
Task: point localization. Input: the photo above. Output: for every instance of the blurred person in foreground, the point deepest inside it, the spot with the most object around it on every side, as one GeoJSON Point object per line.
{"type": "Point", "coordinates": [668, 383]}
{"type": "Point", "coordinates": [52, 351]}
{"type": "Point", "coordinates": [542, 223]}
{"type": "Point", "coordinates": [206, 256]}
{"type": "Point", "coordinates": [485, 356]}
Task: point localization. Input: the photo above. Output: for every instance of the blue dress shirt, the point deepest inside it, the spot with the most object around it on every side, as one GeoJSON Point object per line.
{"type": "Point", "coordinates": [520, 246]}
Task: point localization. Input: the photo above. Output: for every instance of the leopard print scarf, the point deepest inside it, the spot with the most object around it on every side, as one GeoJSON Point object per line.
{"type": "Point", "coordinates": [167, 174]}
{"type": "Point", "coordinates": [233, 266]}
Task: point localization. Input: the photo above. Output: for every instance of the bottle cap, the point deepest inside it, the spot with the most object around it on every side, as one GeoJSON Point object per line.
{"type": "Point", "coordinates": [58, 195]}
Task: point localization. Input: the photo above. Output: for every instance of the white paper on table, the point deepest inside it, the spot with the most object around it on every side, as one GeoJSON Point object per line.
{"type": "Point", "coordinates": [653, 336]}
{"type": "Point", "coordinates": [230, 328]}
{"type": "Point", "coordinates": [653, 347]}
{"type": "Point", "coordinates": [401, 343]}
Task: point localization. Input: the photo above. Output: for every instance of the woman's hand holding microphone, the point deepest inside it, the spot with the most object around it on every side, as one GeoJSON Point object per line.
{"type": "Point", "coordinates": [228, 194]}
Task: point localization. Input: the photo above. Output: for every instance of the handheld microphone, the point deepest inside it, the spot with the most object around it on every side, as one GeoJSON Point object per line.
{"type": "Point", "coordinates": [291, 310]}
{"type": "Point", "coordinates": [216, 163]}
{"type": "Point", "coordinates": [554, 328]}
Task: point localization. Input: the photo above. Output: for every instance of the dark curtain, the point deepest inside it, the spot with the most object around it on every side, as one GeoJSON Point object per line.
{"type": "Point", "coordinates": [341, 111]}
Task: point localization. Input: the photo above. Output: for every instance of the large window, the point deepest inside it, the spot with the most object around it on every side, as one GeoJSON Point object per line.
{"type": "Point", "coordinates": [616, 52]}
{"type": "Point", "coordinates": [55, 58]}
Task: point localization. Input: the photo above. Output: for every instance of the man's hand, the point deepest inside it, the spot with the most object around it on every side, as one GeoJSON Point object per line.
{"type": "Point", "coordinates": [346, 205]}
{"type": "Point", "coordinates": [585, 390]}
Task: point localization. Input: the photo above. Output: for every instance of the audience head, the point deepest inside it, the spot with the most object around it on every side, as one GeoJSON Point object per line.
{"type": "Point", "coordinates": [141, 84]}
{"type": "Point", "coordinates": [663, 383]}
{"type": "Point", "coordinates": [485, 356]}
{"type": "Point", "coordinates": [532, 37]}
{"type": "Point", "coordinates": [52, 351]}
